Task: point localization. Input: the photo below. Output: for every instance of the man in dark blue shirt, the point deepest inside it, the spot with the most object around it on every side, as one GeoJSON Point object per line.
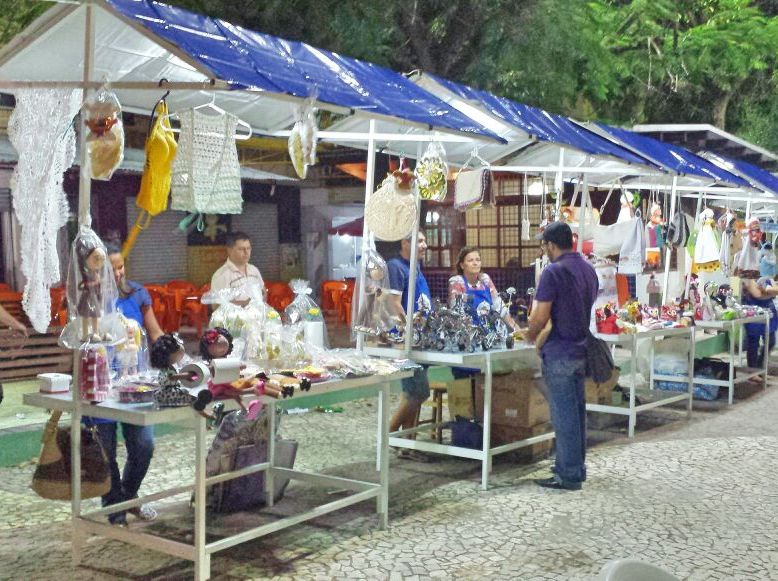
{"type": "Point", "coordinates": [565, 295]}
{"type": "Point", "coordinates": [416, 389]}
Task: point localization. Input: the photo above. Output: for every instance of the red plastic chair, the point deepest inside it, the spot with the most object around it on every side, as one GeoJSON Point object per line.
{"type": "Point", "coordinates": [59, 308]}
{"type": "Point", "coordinates": [193, 311]}
{"type": "Point", "coordinates": [160, 302]}
{"type": "Point", "coordinates": [279, 295]}
{"type": "Point", "coordinates": [332, 293]}
{"type": "Point", "coordinates": [4, 287]}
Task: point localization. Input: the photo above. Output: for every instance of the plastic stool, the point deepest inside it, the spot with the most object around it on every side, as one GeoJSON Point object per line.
{"type": "Point", "coordinates": [438, 388]}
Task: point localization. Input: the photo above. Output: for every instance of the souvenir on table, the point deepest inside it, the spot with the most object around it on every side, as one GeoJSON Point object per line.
{"type": "Point", "coordinates": [102, 114]}
{"type": "Point", "coordinates": [747, 260]}
{"type": "Point", "coordinates": [654, 292]}
{"type": "Point", "coordinates": [129, 356]}
{"type": "Point", "coordinates": [633, 251]}
{"type": "Point", "coordinates": [228, 315]}
{"type": "Point", "coordinates": [431, 173]}
{"type": "Point", "coordinates": [390, 211]}
{"type": "Point", "coordinates": [304, 310]}
{"type": "Point", "coordinates": [91, 294]}
{"type": "Point", "coordinates": [375, 314]}
{"type": "Point", "coordinates": [167, 353]}
{"type": "Point", "coordinates": [606, 318]}
{"type": "Point", "coordinates": [767, 266]}
{"type": "Point", "coordinates": [302, 141]}
{"type": "Point", "coordinates": [707, 246]}
{"type": "Point", "coordinates": [94, 373]}
{"type": "Point", "coordinates": [206, 170]}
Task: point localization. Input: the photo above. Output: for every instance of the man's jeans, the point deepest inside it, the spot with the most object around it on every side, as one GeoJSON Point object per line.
{"type": "Point", "coordinates": [140, 448]}
{"type": "Point", "coordinates": [754, 354]}
{"type": "Point", "coordinates": [565, 393]}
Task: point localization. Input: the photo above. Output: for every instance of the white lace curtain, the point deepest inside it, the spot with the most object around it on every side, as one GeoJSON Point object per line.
{"type": "Point", "coordinates": [41, 130]}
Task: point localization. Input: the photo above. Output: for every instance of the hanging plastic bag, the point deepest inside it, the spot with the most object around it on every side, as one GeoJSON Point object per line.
{"type": "Point", "coordinates": [102, 114]}
{"type": "Point", "coordinates": [391, 211]}
{"type": "Point", "coordinates": [633, 251]}
{"type": "Point", "coordinates": [372, 313]}
{"type": "Point", "coordinates": [302, 141]}
{"type": "Point", "coordinates": [130, 358]}
{"type": "Point", "coordinates": [432, 172]}
{"type": "Point", "coordinates": [91, 295]}
{"type": "Point", "coordinates": [227, 314]}
{"type": "Point", "coordinates": [304, 311]}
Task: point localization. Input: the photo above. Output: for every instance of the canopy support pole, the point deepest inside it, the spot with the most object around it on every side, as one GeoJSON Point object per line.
{"type": "Point", "coordinates": [583, 214]}
{"type": "Point", "coordinates": [369, 187]}
{"type": "Point", "coordinates": [669, 251]}
{"type": "Point", "coordinates": [410, 307]}
{"type": "Point", "coordinates": [559, 183]}
{"type": "Point", "coordinates": [691, 259]}
{"type": "Point", "coordinates": [748, 209]}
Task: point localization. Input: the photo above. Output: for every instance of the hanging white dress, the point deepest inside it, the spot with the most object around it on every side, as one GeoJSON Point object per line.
{"type": "Point", "coordinates": [707, 249]}
{"type": "Point", "coordinates": [206, 171]}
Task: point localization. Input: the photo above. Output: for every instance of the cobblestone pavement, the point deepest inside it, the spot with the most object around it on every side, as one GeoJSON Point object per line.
{"type": "Point", "coordinates": [697, 498]}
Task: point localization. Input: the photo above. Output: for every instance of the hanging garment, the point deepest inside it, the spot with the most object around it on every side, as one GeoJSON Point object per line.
{"type": "Point", "coordinates": [206, 172]}
{"type": "Point", "coordinates": [707, 248]}
{"type": "Point", "coordinates": [161, 150]}
{"type": "Point", "coordinates": [633, 251]}
{"type": "Point", "coordinates": [41, 131]}
{"type": "Point", "coordinates": [725, 258]}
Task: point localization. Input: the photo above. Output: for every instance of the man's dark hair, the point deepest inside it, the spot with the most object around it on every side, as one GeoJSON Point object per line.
{"type": "Point", "coordinates": [112, 248]}
{"type": "Point", "coordinates": [232, 238]}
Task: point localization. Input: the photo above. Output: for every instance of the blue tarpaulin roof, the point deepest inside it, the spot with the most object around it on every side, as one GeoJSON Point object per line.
{"type": "Point", "coordinates": [252, 60]}
{"type": "Point", "coordinates": [541, 124]}
{"type": "Point", "coordinates": [671, 157]}
{"type": "Point", "coordinates": [761, 178]}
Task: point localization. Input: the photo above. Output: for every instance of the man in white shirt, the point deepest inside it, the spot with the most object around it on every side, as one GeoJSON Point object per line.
{"type": "Point", "coordinates": [236, 272]}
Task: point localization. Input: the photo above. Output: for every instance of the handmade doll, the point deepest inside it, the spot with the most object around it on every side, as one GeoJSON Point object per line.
{"type": "Point", "coordinates": [625, 213]}
{"type": "Point", "coordinates": [166, 352]}
{"type": "Point", "coordinates": [102, 115]}
{"type": "Point", "coordinates": [654, 237]}
{"type": "Point", "coordinates": [90, 256]}
{"type": "Point", "coordinates": [215, 343]}
{"type": "Point", "coordinates": [767, 267]}
{"type": "Point", "coordinates": [707, 248]}
{"type": "Point", "coordinates": [128, 353]}
{"type": "Point", "coordinates": [372, 319]}
{"type": "Point", "coordinates": [747, 260]}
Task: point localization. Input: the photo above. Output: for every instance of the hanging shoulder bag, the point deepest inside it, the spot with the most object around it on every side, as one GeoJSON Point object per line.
{"type": "Point", "coordinates": [52, 475]}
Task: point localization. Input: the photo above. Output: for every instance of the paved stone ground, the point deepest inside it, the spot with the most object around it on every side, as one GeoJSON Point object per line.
{"type": "Point", "coordinates": [697, 498]}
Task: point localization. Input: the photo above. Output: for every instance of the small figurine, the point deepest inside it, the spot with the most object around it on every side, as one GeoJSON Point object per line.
{"type": "Point", "coordinates": [166, 352]}
{"type": "Point", "coordinates": [91, 257]}
{"type": "Point", "coordinates": [128, 353]}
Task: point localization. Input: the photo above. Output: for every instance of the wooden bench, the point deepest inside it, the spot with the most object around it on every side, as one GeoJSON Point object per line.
{"type": "Point", "coordinates": [24, 359]}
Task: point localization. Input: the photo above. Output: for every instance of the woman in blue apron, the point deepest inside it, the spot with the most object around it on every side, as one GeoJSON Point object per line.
{"type": "Point", "coordinates": [478, 287]}
{"type": "Point", "coordinates": [760, 294]}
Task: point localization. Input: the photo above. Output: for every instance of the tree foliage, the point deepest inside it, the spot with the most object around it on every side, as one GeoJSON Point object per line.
{"type": "Point", "coordinates": [624, 61]}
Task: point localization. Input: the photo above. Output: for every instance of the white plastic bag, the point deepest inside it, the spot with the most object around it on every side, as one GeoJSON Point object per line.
{"type": "Point", "coordinates": [431, 173]}
{"type": "Point", "coordinates": [102, 114]}
{"type": "Point", "coordinates": [633, 251]}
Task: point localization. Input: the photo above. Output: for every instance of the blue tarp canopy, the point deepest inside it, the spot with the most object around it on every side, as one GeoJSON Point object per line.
{"type": "Point", "coordinates": [539, 124]}
{"type": "Point", "coordinates": [671, 157]}
{"type": "Point", "coordinates": [760, 178]}
{"type": "Point", "coordinates": [255, 61]}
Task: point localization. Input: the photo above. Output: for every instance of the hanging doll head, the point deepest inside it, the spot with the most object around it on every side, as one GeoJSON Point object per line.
{"type": "Point", "coordinates": [215, 343]}
{"type": "Point", "coordinates": [655, 215]}
{"type": "Point", "coordinates": [90, 255]}
{"type": "Point", "coordinates": [166, 351]}
{"type": "Point", "coordinates": [754, 232]}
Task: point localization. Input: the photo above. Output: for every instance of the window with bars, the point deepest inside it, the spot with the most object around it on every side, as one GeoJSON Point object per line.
{"type": "Point", "coordinates": [440, 225]}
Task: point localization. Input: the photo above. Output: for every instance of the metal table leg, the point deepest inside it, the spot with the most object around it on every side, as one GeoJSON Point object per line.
{"type": "Point", "coordinates": [202, 559]}
{"type": "Point", "coordinates": [382, 454]}
{"type": "Point", "coordinates": [766, 350]}
{"type": "Point", "coordinates": [692, 352]}
{"type": "Point", "coordinates": [271, 457]}
{"type": "Point", "coordinates": [732, 362]}
{"type": "Point", "coordinates": [634, 366]}
{"type": "Point", "coordinates": [486, 459]}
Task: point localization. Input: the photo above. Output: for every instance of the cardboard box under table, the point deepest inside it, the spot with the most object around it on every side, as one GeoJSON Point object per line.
{"type": "Point", "coordinates": [486, 361]}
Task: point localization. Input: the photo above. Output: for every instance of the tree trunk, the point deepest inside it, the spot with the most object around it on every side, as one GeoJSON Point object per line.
{"type": "Point", "coordinates": [720, 105]}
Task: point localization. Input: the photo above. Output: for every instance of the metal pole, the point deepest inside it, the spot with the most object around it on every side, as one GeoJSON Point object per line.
{"type": "Point", "coordinates": [559, 182]}
{"type": "Point", "coordinates": [582, 215]}
{"type": "Point", "coordinates": [414, 261]}
{"type": "Point", "coordinates": [691, 259]}
{"type": "Point", "coordinates": [748, 209]}
{"type": "Point", "coordinates": [84, 219]}
{"type": "Point", "coordinates": [669, 251]}
{"type": "Point", "coordinates": [369, 187]}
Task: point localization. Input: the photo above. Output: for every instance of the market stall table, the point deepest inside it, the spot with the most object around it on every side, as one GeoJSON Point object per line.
{"type": "Point", "coordinates": [737, 373]}
{"type": "Point", "coordinates": [630, 341]}
{"type": "Point", "coordinates": [200, 552]}
{"type": "Point", "coordinates": [481, 360]}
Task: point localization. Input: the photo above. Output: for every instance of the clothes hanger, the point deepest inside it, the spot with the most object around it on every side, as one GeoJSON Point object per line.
{"type": "Point", "coordinates": [154, 108]}
{"type": "Point", "coordinates": [473, 155]}
{"type": "Point", "coordinates": [214, 107]}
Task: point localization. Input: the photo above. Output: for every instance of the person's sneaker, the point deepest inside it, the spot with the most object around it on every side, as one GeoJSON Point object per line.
{"type": "Point", "coordinates": [414, 455]}
{"type": "Point", "coordinates": [555, 484]}
{"type": "Point", "coordinates": [143, 512]}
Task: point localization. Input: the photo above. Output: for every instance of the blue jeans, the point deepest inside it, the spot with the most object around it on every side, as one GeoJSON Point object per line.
{"type": "Point", "coordinates": [417, 388]}
{"type": "Point", "coordinates": [754, 355]}
{"type": "Point", "coordinates": [140, 448]}
{"type": "Point", "coordinates": [565, 394]}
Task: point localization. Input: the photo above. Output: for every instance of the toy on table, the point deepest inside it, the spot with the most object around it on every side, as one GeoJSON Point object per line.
{"type": "Point", "coordinates": [128, 354]}
{"type": "Point", "coordinates": [166, 353]}
{"type": "Point", "coordinates": [94, 376]}
{"type": "Point", "coordinates": [215, 347]}
{"type": "Point", "coordinates": [606, 319]}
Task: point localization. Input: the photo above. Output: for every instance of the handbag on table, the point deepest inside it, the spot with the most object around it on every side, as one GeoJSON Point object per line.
{"type": "Point", "coordinates": [52, 474]}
